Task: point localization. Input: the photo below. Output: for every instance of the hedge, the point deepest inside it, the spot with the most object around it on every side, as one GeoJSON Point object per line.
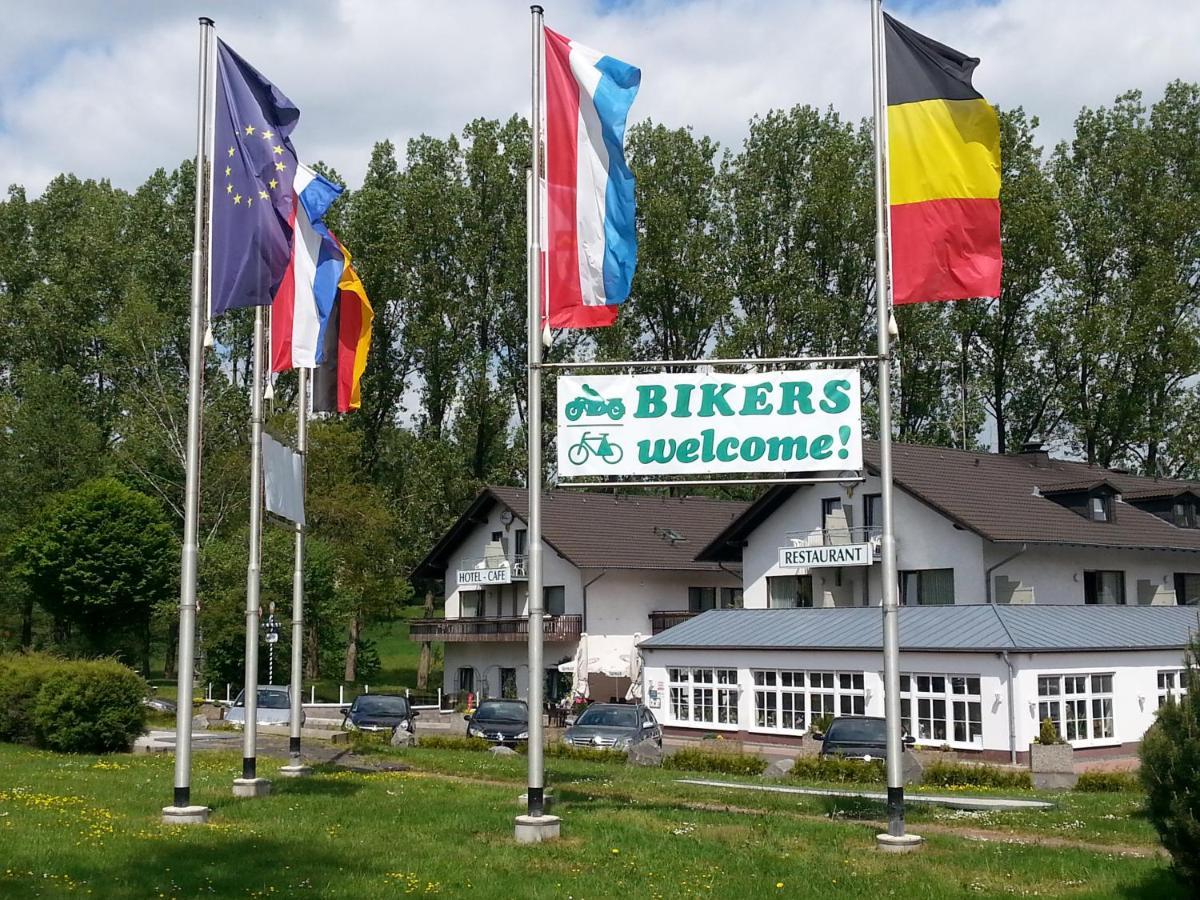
{"type": "Point", "coordinates": [451, 742]}
{"type": "Point", "coordinates": [71, 706]}
{"type": "Point", "coordinates": [1107, 782]}
{"type": "Point", "coordinates": [948, 774]}
{"type": "Point", "coordinates": [838, 770]}
{"type": "Point", "coordinates": [696, 760]}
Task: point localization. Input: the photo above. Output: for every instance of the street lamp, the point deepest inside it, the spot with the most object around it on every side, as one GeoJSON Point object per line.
{"type": "Point", "coordinates": [272, 640]}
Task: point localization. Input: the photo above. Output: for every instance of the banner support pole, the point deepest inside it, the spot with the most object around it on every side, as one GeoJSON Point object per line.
{"type": "Point", "coordinates": [295, 767]}
{"type": "Point", "coordinates": [535, 826]}
{"type": "Point", "coordinates": [895, 838]}
{"type": "Point", "coordinates": [181, 811]}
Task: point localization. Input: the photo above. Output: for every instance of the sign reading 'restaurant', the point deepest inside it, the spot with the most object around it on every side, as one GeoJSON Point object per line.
{"type": "Point", "coordinates": [494, 575]}
{"type": "Point", "coordinates": [705, 424]}
{"type": "Point", "coordinates": [824, 557]}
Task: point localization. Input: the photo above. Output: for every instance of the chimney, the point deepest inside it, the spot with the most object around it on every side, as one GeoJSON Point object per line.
{"type": "Point", "coordinates": [1037, 454]}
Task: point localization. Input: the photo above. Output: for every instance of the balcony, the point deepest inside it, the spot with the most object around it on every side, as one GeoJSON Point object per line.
{"type": "Point", "coordinates": [493, 629]}
{"type": "Point", "coordinates": [516, 566]}
{"type": "Point", "coordinates": [839, 536]}
{"type": "Point", "coordinates": [662, 619]}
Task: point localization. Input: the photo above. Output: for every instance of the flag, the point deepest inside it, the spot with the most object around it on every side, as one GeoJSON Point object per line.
{"type": "Point", "coordinates": [252, 201]}
{"type": "Point", "coordinates": [591, 242]}
{"type": "Point", "coordinates": [337, 383]}
{"type": "Point", "coordinates": [309, 287]}
{"type": "Point", "coordinates": [943, 172]}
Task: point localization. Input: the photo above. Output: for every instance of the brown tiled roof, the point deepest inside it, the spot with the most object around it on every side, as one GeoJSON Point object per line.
{"type": "Point", "coordinates": [1002, 498]}
{"type": "Point", "coordinates": [609, 531]}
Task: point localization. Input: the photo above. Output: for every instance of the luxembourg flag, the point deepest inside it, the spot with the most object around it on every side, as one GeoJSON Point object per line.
{"type": "Point", "coordinates": [591, 241]}
{"type": "Point", "coordinates": [304, 300]}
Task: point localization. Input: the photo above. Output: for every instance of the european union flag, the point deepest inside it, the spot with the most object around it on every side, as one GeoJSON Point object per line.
{"type": "Point", "coordinates": [253, 165]}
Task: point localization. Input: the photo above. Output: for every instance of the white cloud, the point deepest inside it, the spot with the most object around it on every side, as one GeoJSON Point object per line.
{"type": "Point", "coordinates": [109, 90]}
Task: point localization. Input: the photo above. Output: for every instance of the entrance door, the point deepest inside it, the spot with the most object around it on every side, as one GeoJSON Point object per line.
{"type": "Point", "coordinates": [508, 684]}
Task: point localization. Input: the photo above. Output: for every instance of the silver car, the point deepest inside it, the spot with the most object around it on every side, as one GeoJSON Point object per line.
{"type": "Point", "coordinates": [274, 707]}
{"type": "Point", "coordinates": [613, 726]}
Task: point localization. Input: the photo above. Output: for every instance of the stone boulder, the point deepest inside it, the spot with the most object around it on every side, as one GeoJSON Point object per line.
{"type": "Point", "coordinates": [402, 738]}
{"type": "Point", "coordinates": [199, 723]}
{"type": "Point", "coordinates": [501, 750]}
{"type": "Point", "coordinates": [645, 753]}
{"type": "Point", "coordinates": [779, 769]}
{"type": "Point", "coordinates": [911, 767]}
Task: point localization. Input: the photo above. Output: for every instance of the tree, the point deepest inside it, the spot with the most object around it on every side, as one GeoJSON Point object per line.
{"type": "Point", "coordinates": [102, 557]}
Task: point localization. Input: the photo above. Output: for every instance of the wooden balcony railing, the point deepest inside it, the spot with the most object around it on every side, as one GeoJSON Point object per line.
{"type": "Point", "coordinates": [493, 628]}
{"type": "Point", "coordinates": [662, 619]}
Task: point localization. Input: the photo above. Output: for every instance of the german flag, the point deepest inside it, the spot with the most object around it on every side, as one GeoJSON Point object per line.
{"type": "Point", "coordinates": [944, 172]}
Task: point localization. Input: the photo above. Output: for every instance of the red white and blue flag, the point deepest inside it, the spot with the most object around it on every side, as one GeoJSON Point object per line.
{"type": "Point", "coordinates": [591, 239]}
{"type": "Point", "coordinates": [301, 311]}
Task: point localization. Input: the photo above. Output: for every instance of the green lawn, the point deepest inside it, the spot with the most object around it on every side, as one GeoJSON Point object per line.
{"type": "Point", "coordinates": [79, 825]}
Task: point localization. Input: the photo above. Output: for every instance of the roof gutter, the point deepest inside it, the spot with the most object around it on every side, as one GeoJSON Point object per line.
{"type": "Point", "coordinates": [987, 574]}
{"type": "Point", "coordinates": [1012, 709]}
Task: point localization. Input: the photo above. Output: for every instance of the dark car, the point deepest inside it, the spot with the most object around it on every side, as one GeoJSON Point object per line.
{"type": "Point", "coordinates": [858, 737]}
{"type": "Point", "coordinates": [379, 712]}
{"type": "Point", "coordinates": [614, 725]}
{"type": "Point", "coordinates": [500, 721]}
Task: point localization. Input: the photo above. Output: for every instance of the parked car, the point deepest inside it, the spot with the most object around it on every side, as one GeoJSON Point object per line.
{"type": "Point", "coordinates": [160, 705]}
{"type": "Point", "coordinates": [274, 707]}
{"type": "Point", "coordinates": [379, 712]}
{"type": "Point", "coordinates": [858, 737]}
{"type": "Point", "coordinates": [500, 721]}
{"type": "Point", "coordinates": [615, 725]}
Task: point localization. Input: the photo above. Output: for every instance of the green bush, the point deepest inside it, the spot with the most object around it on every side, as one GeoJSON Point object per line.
{"type": "Point", "coordinates": [21, 678]}
{"type": "Point", "coordinates": [560, 750]}
{"type": "Point", "coordinates": [838, 770]}
{"type": "Point", "coordinates": [1048, 734]}
{"type": "Point", "coordinates": [949, 774]}
{"type": "Point", "coordinates": [451, 742]}
{"type": "Point", "coordinates": [696, 760]}
{"type": "Point", "coordinates": [90, 707]}
{"type": "Point", "coordinates": [1107, 782]}
{"type": "Point", "coordinates": [1170, 772]}
{"type": "Point", "coordinates": [821, 724]}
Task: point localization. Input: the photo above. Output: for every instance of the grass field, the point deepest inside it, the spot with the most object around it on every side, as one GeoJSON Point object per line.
{"type": "Point", "coordinates": [73, 825]}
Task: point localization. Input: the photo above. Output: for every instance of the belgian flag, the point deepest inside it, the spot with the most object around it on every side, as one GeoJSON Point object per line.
{"type": "Point", "coordinates": [943, 172]}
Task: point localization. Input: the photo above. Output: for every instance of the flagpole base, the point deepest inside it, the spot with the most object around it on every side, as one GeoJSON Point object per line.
{"type": "Point", "coordinates": [251, 787]}
{"type": "Point", "coordinates": [898, 843]}
{"type": "Point", "coordinates": [185, 815]}
{"type": "Point", "coordinates": [297, 771]}
{"type": "Point", "coordinates": [537, 829]}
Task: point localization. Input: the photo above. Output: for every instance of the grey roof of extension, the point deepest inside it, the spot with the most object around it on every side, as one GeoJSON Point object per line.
{"type": "Point", "coordinates": [944, 629]}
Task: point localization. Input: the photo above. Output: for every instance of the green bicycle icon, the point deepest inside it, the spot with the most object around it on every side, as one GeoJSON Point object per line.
{"type": "Point", "coordinates": [595, 445]}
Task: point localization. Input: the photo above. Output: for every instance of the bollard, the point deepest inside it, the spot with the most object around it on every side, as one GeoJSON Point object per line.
{"type": "Point", "coordinates": [312, 694]}
{"type": "Point", "coordinates": [227, 692]}
{"type": "Point", "coordinates": [406, 693]}
{"type": "Point", "coordinates": [341, 695]}
{"type": "Point", "coordinates": [439, 699]}
{"type": "Point", "coordinates": [366, 689]}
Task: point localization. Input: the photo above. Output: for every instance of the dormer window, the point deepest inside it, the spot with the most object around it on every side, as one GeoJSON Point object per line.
{"type": "Point", "coordinates": [1184, 513]}
{"type": "Point", "coordinates": [1100, 507]}
{"type": "Point", "coordinates": [1094, 500]}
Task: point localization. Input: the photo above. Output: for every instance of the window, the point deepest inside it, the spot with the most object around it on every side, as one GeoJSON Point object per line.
{"type": "Point", "coordinates": [520, 547]}
{"type": "Point", "coordinates": [466, 680]}
{"type": "Point", "coordinates": [731, 598]}
{"type": "Point", "coordinates": [942, 709]}
{"type": "Point", "coordinates": [1080, 706]}
{"type": "Point", "coordinates": [1184, 513]}
{"type": "Point", "coordinates": [873, 512]}
{"type": "Point", "coordinates": [1172, 685]}
{"type": "Point", "coordinates": [702, 599]}
{"type": "Point", "coordinates": [498, 537]}
{"type": "Point", "coordinates": [1100, 508]}
{"type": "Point", "coordinates": [786, 700]}
{"type": "Point", "coordinates": [927, 587]}
{"type": "Point", "coordinates": [1104, 588]}
{"type": "Point", "coordinates": [789, 591]}
{"type": "Point", "coordinates": [704, 695]}
{"type": "Point", "coordinates": [554, 600]}
{"type": "Point", "coordinates": [1187, 588]}
{"type": "Point", "coordinates": [508, 684]}
{"type": "Point", "coordinates": [470, 604]}
{"type": "Point", "coordinates": [831, 513]}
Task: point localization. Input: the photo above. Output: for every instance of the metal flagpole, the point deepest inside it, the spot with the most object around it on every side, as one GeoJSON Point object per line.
{"type": "Point", "coordinates": [295, 768]}
{"type": "Point", "coordinates": [535, 825]}
{"type": "Point", "coordinates": [895, 838]}
{"type": "Point", "coordinates": [181, 811]}
{"type": "Point", "coordinates": [250, 785]}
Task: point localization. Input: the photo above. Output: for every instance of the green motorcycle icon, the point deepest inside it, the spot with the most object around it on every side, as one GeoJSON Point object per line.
{"type": "Point", "coordinates": [595, 445]}
{"type": "Point", "coordinates": [592, 404]}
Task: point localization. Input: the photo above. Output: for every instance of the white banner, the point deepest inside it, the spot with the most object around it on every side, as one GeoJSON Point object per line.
{"type": "Point", "coordinates": [495, 575]}
{"type": "Point", "coordinates": [283, 477]}
{"type": "Point", "coordinates": [701, 424]}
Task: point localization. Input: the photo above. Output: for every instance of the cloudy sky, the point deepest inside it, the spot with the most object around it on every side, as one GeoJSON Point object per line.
{"type": "Point", "coordinates": [108, 89]}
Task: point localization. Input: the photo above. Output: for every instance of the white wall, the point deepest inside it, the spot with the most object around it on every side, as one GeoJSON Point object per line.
{"type": "Point", "coordinates": [1135, 684]}
{"type": "Point", "coordinates": [1056, 573]}
{"type": "Point", "coordinates": [924, 540]}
